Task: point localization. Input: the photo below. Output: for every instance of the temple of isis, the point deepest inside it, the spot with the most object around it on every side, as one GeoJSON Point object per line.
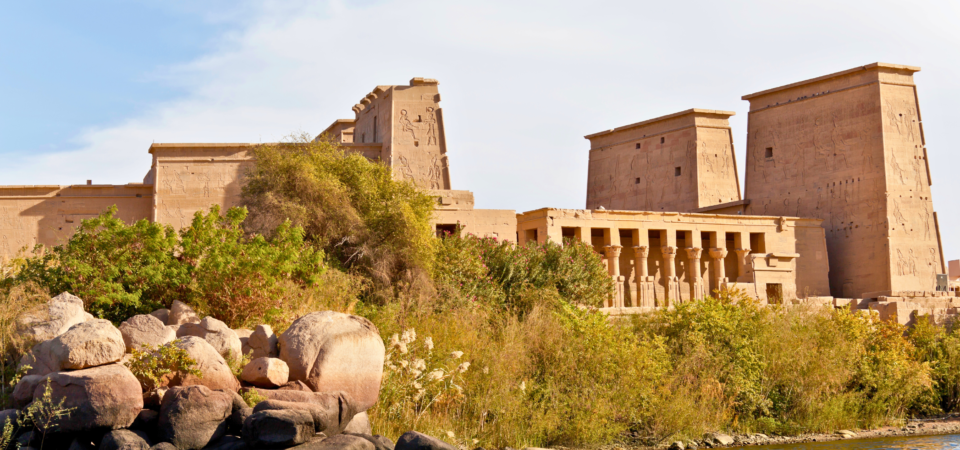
{"type": "Point", "coordinates": [836, 207]}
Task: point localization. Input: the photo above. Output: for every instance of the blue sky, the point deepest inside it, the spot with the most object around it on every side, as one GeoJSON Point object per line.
{"type": "Point", "coordinates": [87, 86]}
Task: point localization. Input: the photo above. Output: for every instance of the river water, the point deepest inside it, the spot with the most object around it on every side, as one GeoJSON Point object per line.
{"type": "Point", "coordinates": [948, 441]}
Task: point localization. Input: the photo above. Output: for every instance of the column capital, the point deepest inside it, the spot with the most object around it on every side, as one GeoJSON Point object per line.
{"type": "Point", "coordinates": [642, 251]}
{"type": "Point", "coordinates": [718, 253]}
{"type": "Point", "coordinates": [743, 251]}
{"type": "Point", "coordinates": [668, 250]}
{"type": "Point", "coordinates": [612, 251]}
{"type": "Point", "coordinates": [694, 252]}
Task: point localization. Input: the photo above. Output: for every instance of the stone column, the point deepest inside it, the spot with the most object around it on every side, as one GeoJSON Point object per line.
{"type": "Point", "coordinates": [671, 282]}
{"type": "Point", "coordinates": [696, 283]}
{"type": "Point", "coordinates": [718, 254]}
{"type": "Point", "coordinates": [613, 268]}
{"type": "Point", "coordinates": [746, 269]}
{"type": "Point", "coordinates": [645, 288]}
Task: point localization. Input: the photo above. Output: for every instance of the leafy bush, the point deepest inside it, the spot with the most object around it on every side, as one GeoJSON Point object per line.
{"type": "Point", "coordinates": [122, 270]}
{"type": "Point", "coordinates": [151, 364]}
{"type": "Point", "coordinates": [473, 268]}
{"type": "Point", "coordinates": [352, 207]}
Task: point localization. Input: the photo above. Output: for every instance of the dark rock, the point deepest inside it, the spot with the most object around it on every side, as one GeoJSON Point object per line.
{"type": "Point", "coordinates": [379, 442]}
{"type": "Point", "coordinates": [278, 428]}
{"type": "Point", "coordinates": [339, 442]}
{"type": "Point", "coordinates": [26, 439]}
{"type": "Point", "coordinates": [191, 417]}
{"type": "Point", "coordinates": [228, 443]}
{"type": "Point", "coordinates": [8, 414]}
{"type": "Point", "coordinates": [295, 385]}
{"type": "Point", "coordinates": [125, 440]}
{"type": "Point", "coordinates": [236, 419]}
{"type": "Point", "coordinates": [164, 446]}
{"type": "Point", "coordinates": [412, 440]}
{"type": "Point", "coordinates": [153, 398]}
{"type": "Point", "coordinates": [23, 392]}
{"type": "Point", "coordinates": [329, 416]}
{"type": "Point", "coordinates": [146, 420]}
{"type": "Point", "coordinates": [238, 401]}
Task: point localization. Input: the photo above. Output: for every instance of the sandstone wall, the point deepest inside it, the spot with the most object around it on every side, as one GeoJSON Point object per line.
{"type": "Point", "coordinates": [848, 148]}
{"type": "Point", "coordinates": [680, 162]}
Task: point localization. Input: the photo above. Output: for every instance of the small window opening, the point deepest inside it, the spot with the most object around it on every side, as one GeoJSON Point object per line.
{"type": "Point", "coordinates": [774, 293]}
{"type": "Point", "coordinates": [446, 229]}
{"type": "Point", "coordinates": [363, 137]}
{"type": "Point", "coordinates": [676, 171]}
{"type": "Point", "coordinates": [769, 152]}
{"type": "Point", "coordinates": [419, 119]}
{"type": "Point", "coordinates": [638, 145]}
{"type": "Point", "coordinates": [662, 140]}
{"type": "Point", "coordinates": [374, 129]}
{"type": "Point", "coordinates": [637, 181]}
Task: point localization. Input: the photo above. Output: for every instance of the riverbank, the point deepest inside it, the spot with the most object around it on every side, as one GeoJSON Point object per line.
{"type": "Point", "coordinates": [916, 427]}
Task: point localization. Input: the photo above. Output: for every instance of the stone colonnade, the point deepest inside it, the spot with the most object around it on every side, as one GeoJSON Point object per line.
{"type": "Point", "coordinates": [705, 264]}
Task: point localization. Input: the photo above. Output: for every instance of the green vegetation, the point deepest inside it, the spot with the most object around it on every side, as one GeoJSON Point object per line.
{"type": "Point", "coordinates": [122, 270]}
{"type": "Point", "coordinates": [368, 222]}
{"type": "Point", "coordinates": [150, 364]}
{"type": "Point", "coordinates": [490, 344]}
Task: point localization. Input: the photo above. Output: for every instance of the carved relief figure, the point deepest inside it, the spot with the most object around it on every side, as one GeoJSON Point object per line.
{"type": "Point", "coordinates": [898, 214]}
{"type": "Point", "coordinates": [431, 124]}
{"type": "Point", "coordinates": [406, 126]}
{"type": "Point", "coordinates": [435, 175]}
{"type": "Point", "coordinates": [925, 219]}
{"type": "Point", "coordinates": [912, 263]}
{"type": "Point", "coordinates": [901, 263]}
{"type": "Point", "coordinates": [405, 168]}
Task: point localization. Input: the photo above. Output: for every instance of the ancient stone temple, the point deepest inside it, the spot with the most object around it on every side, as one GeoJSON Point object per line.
{"type": "Point", "coordinates": [659, 259]}
{"type": "Point", "coordinates": [848, 148]}
{"type": "Point", "coordinates": [679, 162]}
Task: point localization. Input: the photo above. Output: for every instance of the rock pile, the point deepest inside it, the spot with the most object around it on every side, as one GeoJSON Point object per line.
{"type": "Point", "coordinates": [317, 380]}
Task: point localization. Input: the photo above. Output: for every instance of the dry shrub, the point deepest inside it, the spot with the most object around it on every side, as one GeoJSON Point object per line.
{"type": "Point", "coordinates": [17, 303]}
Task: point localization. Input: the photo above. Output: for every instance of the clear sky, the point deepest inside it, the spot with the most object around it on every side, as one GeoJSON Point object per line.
{"type": "Point", "coordinates": [85, 87]}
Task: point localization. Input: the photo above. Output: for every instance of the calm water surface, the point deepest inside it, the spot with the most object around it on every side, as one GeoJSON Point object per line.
{"type": "Point", "coordinates": [950, 441]}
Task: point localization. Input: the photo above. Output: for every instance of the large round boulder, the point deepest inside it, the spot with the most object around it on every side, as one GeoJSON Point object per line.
{"type": "Point", "coordinates": [278, 428]}
{"type": "Point", "coordinates": [332, 351]}
{"type": "Point", "coordinates": [193, 416]}
{"type": "Point", "coordinates": [217, 333]}
{"type": "Point", "coordinates": [63, 312]}
{"type": "Point", "coordinates": [125, 440]}
{"type": "Point", "coordinates": [216, 374]}
{"type": "Point", "coordinates": [263, 342]}
{"type": "Point", "coordinates": [102, 398]}
{"type": "Point", "coordinates": [180, 314]}
{"type": "Point", "coordinates": [163, 314]}
{"type": "Point", "coordinates": [145, 329]}
{"type": "Point", "coordinates": [87, 344]}
{"type": "Point", "coordinates": [266, 372]}
{"type": "Point", "coordinates": [23, 391]}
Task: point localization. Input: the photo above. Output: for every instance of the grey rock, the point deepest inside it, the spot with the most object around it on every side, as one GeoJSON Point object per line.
{"type": "Point", "coordinates": [413, 440]}
{"type": "Point", "coordinates": [263, 343]}
{"type": "Point", "coordinates": [104, 398]}
{"type": "Point", "coordinates": [216, 372]}
{"type": "Point", "coordinates": [237, 399]}
{"type": "Point", "coordinates": [295, 385]}
{"type": "Point", "coordinates": [63, 312]}
{"type": "Point", "coordinates": [215, 332]}
{"type": "Point", "coordinates": [180, 314]}
{"type": "Point", "coordinates": [678, 445]}
{"type": "Point", "coordinates": [163, 314]}
{"type": "Point", "coordinates": [87, 344]}
{"type": "Point", "coordinates": [278, 428]}
{"type": "Point", "coordinates": [124, 440]}
{"type": "Point", "coordinates": [332, 351]}
{"type": "Point", "coordinates": [145, 330]}
{"type": "Point", "coordinates": [266, 372]}
{"type": "Point", "coordinates": [191, 417]}
{"type": "Point", "coordinates": [360, 424]}
{"type": "Point", "coordinates": [244, 335]}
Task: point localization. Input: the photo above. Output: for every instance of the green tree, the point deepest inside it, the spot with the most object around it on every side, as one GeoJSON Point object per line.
{"type": "Point", "coordinates": [353, 207]}
{"type": "Point", "coordinates": [121, 270]}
